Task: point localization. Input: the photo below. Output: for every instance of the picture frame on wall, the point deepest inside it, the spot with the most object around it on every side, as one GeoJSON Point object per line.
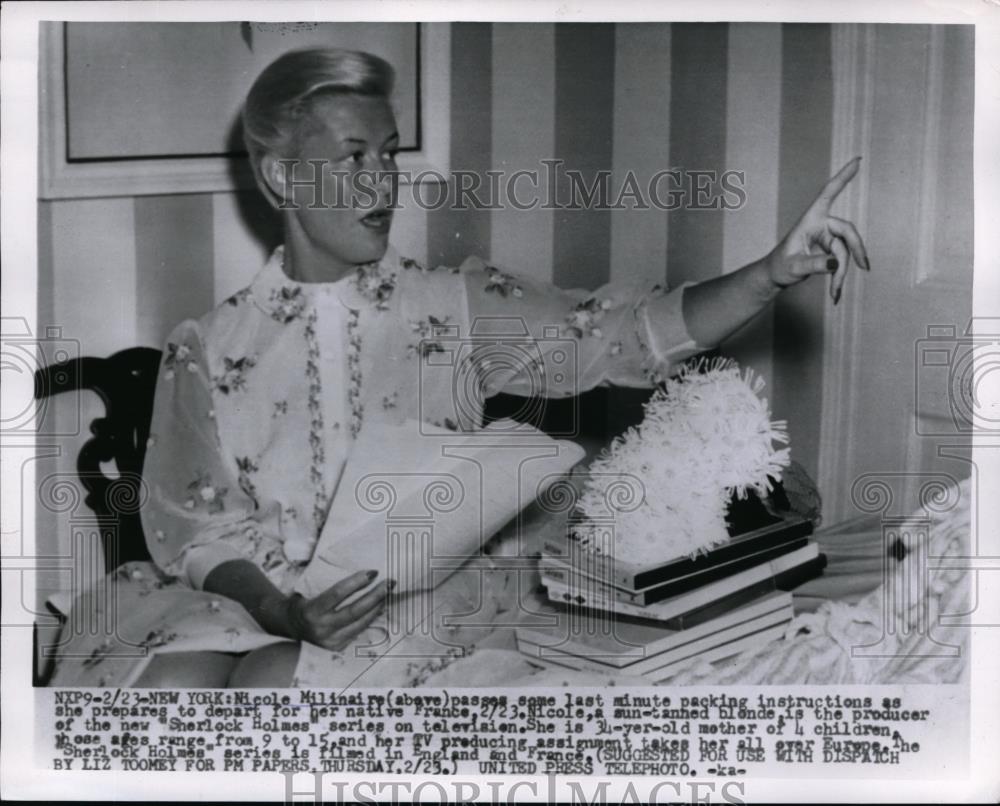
{"type": "Point", "coordinates": [181, 137]}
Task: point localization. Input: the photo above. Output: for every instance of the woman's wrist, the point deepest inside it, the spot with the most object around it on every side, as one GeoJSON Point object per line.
{"type": "Point", "coordinates": [276, 614]}
{"type": "Point", "coordinates": [762, 280]}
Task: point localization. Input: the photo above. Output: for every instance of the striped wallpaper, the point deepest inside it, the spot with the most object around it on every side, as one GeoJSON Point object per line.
{"type": "Point", "coordinates": [619, 97]}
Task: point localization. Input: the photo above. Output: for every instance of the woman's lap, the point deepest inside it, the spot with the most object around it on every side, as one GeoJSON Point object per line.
{"type": "Point", "coordinates": [139, 615]}
{"type": "Point", "coordinates": [188, 670]}
{"type": "Point", "coordinates": [116, 628]}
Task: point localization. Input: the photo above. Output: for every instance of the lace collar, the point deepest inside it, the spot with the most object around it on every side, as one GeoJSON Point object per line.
{"type": "Point", "coordinates": [285, 299]}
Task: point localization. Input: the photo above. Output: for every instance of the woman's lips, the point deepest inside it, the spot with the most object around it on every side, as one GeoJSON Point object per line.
{"type": "Point", "coordinates": [378, 220]}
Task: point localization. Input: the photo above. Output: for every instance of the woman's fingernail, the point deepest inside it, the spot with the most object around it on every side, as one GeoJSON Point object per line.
{"type": "Point", "coordinates": [836, 296]}
{"type": "Point", "coordinates": [868, 265]}
{"type": "Point", "coordinates": [390, 584]}
{"type": "Point", "coordinates": [832, 264]}
{"type": "Point", "coordinates": [372, 574]}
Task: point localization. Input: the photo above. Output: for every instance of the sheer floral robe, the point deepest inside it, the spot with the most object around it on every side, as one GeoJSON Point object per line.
{"type": "Point", "coordinates": [258, 404]}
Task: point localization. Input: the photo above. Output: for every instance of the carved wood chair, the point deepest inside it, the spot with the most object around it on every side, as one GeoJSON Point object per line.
{"type": "Point", "coordinates": [125, 382]}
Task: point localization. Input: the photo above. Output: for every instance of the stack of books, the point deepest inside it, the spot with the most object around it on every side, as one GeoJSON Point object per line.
{"type": "Point", "coordinates": [614, 616]}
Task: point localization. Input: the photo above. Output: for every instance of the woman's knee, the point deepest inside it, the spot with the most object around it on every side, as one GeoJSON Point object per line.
{"type": "Point", "coordinates": [188, 670]}
{"type": "Point", "coordinates": [271, 666]}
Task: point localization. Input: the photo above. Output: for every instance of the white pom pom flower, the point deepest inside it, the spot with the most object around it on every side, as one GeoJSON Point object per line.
{"type": "Point", "coordinates": [706, 435]}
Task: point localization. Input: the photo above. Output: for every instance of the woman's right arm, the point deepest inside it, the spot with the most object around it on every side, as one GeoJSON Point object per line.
{"type": "Point", "coordinates": [203, 526]}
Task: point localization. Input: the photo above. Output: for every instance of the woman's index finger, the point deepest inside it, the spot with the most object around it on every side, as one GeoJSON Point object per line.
{"type": "Point", "coordinates": [832, 189]}
{"type": "Point", "coordinates": [336, 593]}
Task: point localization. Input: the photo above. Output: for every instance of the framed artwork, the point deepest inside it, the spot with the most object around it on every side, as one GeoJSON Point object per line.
{"type": "Point", "coordinates": [138, 108]}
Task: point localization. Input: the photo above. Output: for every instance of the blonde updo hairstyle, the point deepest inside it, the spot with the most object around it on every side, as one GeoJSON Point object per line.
{"type": "Point", "coordinates": [284, 94]}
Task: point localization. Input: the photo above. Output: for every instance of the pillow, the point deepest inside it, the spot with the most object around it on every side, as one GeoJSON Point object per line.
{"type": "Point", "coordinates": [415, 501]}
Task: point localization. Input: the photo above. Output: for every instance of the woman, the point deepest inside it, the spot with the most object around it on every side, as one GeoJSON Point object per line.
{"type": "Point", "coordinates": [260, 401]}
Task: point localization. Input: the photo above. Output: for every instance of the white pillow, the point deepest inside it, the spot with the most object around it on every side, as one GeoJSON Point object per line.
{"type": "Point", "coordinates": [416, 501]}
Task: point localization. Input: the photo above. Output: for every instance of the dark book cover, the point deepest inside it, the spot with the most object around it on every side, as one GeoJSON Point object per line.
{"type": "Point", "coordinates": [635, 579]}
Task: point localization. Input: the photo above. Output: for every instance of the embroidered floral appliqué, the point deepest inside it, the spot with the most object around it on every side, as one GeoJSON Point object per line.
{"type": "Point", "coordinates": [354, 371]}
{"type": "Point", "coordinates": [233, 377]}
{"type": "Point", "coordinates": [375, 286]}
{"type": "Point", "coordinates": [427, 330]}
{"type": "Point", "coordinates": [287, 304]}
{"type": "Point", "coordinates": [274, 558]}
{"type": "Point", "coordinates": [246, 467]}
{"type": "Point", "coordinates": [316, 444]}
{"type": "Point", "coordinates": [98, 654]}
{"type": "Point", "coordinates": [240, 296]}
{"type": "Point", "coordinates": [410, 263]}
{"type": "Point", "coordinates": [178, 355]}
{"type": "Point", "coordinates": [583, 319]}
{"type": "Point", "coordinates": [503, 284]}
{"type": "Point", "coordinates": [157, 638]}
{"type": "Point", "coordinates": [205, 494]}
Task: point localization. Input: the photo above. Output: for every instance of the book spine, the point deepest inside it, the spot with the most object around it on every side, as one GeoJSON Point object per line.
{"type": "Point", "coordinates": [622, 574]}
{"type": "Point", "coordinates": [780, 570]}
{"type": "Point", "coordinates": [694, 581]}
{"type": "Point", "coordinates": [793, 577]}
{"type": "Point", "coordinates": [754, 642]}
{"type": "Point", "coordinates": [735, 549]}
{"type": "Point", "coordinates": [572, 578]}
{"type": "Point", "coordinates": [662, 673]}
{"type": "Point", "coordinates": [624, 652]}
{"type": "Point", "coordinates": [720, 607]}
{"type": "Point", "coordinates": [657, 662]}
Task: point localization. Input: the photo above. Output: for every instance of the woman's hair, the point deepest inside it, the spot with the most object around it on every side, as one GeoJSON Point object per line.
{"type": "Point", "coordinates": [283, 95]}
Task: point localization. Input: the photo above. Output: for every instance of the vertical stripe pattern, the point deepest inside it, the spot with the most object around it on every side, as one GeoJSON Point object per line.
{"type": "Point", "coordinates": [174, 262]}
{"type": "Point", "coordinates": [697, 143]}
{"type": "Point", "coordinates": [806, 138]}
{"type": "Point", "coordinates": [523, 135]}
{"type": "Point", "coordinates": [753, 121]}
{"type": "Point", "coordinates": [244, 232]}
{"type": "Point", "coordinates": [585, 70]}
{"type": "Point", "coordinates": [640, 148]}
{"type": "Point", "coordinates": [452, 235]}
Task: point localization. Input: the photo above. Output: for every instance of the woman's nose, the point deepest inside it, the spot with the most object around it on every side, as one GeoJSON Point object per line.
{"type": "Point", "coordinates": [386, 176]}
{"type": "Point", "coordinates": [386, 168]}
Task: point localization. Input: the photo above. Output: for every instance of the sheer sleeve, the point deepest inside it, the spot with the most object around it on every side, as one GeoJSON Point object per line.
{"type": "Point", "coordinates": [197, 516]}
{"type": "Point", "coordinates": [557, 343]}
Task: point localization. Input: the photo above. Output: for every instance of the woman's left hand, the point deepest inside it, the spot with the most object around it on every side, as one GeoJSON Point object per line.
{"type": "Point", "coordinates": [820, 243]}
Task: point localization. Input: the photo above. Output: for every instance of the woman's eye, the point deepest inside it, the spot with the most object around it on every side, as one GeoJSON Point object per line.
{"type": "Point", "coordinates": [358, 156]}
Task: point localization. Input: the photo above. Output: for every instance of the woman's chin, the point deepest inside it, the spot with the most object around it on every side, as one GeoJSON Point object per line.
{"type": "Point", "coordinates": [375, 246]}
{"type": "Point", "coordinates": [372, 249]}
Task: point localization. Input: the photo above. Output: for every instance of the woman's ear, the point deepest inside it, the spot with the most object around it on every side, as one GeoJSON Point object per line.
{"type": "Point", "coordinates": [271, 179]}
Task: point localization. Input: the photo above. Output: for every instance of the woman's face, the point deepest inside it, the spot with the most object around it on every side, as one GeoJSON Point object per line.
{"type": "Point", "coordinates": [349, 145]}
